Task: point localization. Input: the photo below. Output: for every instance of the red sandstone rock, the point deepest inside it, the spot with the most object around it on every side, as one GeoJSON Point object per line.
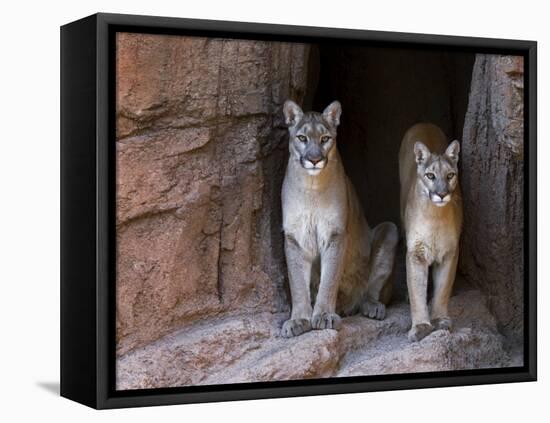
{"type": "Point", "coordinates": [196, 121]}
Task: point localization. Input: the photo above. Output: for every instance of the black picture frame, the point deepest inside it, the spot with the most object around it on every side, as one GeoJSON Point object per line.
{"type": "Point", "coordinates": [88, 198]}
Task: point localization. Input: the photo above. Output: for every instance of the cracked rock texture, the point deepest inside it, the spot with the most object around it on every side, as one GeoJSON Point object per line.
{"type": "Point", "coordinates": [492, 185]}
{"type": "Point", "coordinates": [248, 348]}
{"type": "Point", "coordinates": [198, 203]}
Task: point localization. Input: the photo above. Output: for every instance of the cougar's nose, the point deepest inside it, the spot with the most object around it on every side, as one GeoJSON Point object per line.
{"type": "Point", "coordinates": [315, 159]}
{"type": "Point", "coordinates": [442, 194]}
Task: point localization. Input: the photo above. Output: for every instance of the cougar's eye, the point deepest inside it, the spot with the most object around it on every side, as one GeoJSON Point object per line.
{"type": "Point", "coordinates": [430, 176]}
{"type": "Point", "coordinates": [302, 138]}
{"type": "Point", "coordinates": [450, 176]}
{"type": "Point", "coordinates": [325, 139]}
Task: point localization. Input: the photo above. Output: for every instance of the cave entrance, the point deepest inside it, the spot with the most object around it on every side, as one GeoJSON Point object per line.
{"type": "Point", "coordinates": [383, 92]}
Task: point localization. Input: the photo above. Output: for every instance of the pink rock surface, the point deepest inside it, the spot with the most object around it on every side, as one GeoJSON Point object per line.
{"type": "Point", "coordinates": [249, 348]}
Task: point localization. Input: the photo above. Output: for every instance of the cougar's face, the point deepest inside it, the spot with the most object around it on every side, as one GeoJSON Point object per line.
{"type": "Point", "coordinates": [312, 141]}
{"type": "Point", "coordinates": [438, 174]}
{"type": "Point", "coordinates": [312, 135]}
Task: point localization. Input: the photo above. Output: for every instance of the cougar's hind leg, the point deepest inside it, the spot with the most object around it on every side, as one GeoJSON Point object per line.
{"type": "Point", "coordinates": [380, 281]}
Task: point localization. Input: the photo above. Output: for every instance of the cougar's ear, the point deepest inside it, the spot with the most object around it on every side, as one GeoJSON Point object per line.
{"type": "Point", "coordinates": [332, 113]}
{"type": "Point", "coordinates": [452, 151]}
{"type": "Point", "coordinates": [293, 113]}
{"type": "Point", "coordinates": [421, 153]}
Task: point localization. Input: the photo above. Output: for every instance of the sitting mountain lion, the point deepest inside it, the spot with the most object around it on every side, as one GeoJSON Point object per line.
{"type": "Point", "coordinates": [336, 264]}
{"type": "Point", "coordinates": [431, 211]}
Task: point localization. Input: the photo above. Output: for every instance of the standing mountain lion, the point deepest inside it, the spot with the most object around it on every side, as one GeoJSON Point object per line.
{"type": "Point", "coordinates": [431, 211]}
{"type": "Point", "coordinates": [336, 264]}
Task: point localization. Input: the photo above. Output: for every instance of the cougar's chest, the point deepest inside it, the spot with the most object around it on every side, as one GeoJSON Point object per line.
{"type": "Point", "coordinates": [432, 239]}
{"type": "Point", "coordinates": [312, 218]}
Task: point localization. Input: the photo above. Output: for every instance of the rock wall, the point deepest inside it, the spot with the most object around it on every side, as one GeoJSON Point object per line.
{"type": "Point", "coordinates": [493, 181]}
{"type": "Point", "coordinates": [198, 203]}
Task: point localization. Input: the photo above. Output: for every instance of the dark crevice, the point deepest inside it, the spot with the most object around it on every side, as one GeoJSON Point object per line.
{"type": "Point", "coordinates": [383, 92]}
{"type": "Point", "coordinates": [145, 214]}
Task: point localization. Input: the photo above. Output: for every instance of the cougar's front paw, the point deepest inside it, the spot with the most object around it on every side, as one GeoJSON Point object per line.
{"type": "Point", "coordinates": [443, 323]}
{"type": "Point", "coordinates": [326, 320]}
{"type": "Point", "coordinates": [420, 331]}
{"type": "Point", "coordinates": [295, 327]}
{"type": "Point", "coordinates": [374, 310]}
